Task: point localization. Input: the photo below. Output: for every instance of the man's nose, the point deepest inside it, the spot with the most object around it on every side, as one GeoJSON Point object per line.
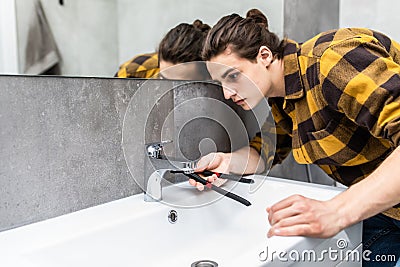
{"type": "Point", "coordinates": [228, 92]}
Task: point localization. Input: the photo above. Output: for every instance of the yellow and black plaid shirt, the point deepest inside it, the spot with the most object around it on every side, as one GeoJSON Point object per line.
{"type": "Point", "coordinates": [342, 105]}
{"type": "Point", "coordinates": [141, 66]}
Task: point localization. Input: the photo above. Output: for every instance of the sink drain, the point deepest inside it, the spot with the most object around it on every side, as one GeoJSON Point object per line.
{"type": "Point", "coordinates": [172, 216]}
{"type": "Point", "coordinates": [204, 263]}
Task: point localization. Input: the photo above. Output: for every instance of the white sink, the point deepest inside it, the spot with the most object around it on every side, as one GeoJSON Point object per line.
{"type": "Point", "coordinates": [131, 232]}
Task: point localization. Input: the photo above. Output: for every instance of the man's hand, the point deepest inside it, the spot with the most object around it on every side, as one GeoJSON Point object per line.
{"type": "Point", "coordinates": [242, 161]}
{"type": "Point", "coordinates": [301, 216]}
{"type": "Point", "coordinates": [218, 162]}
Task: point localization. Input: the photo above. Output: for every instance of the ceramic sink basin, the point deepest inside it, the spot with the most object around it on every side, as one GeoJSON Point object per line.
{"type": "Point", "coordinates": [131, 232]}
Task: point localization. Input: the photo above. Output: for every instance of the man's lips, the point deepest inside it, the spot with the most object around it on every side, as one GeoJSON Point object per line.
{"type": "Point", "coordinates": [240, 102]}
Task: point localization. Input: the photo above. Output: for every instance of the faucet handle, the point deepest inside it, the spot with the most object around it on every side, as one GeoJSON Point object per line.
{"type": "Point", "coordinates": [154, 150]}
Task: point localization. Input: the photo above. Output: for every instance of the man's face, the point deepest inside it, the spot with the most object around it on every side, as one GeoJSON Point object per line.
{"type": "Point", "coordinates": [243, 81]}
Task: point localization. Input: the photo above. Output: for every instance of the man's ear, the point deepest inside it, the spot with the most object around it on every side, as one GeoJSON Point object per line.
{"type": "Point", "coordinates": [265, 56]}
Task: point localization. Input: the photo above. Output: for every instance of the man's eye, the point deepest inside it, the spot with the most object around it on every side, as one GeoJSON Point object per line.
{"type": "Point", "coordinates": [233, 76]}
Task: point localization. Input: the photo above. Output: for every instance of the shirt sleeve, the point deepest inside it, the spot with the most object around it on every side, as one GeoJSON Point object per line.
{"type": "Point", "coordinates": [272, 143]}
{"type": "Point", "coordinates": [141, 66]}
{"type": "Point", "coordinates": [361, 78]}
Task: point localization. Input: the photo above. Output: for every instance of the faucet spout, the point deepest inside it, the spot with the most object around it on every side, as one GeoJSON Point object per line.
{"type": "Point", "coordinates": [157, 165]}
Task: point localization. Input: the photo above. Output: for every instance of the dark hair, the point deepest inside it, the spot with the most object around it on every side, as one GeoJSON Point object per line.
{"type": "Point", "coordinates": [243, 35]}
{"type": "Point", "coordinates": [183, 43]}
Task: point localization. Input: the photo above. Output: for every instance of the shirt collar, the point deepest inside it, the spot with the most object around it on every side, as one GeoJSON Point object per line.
{"type": "Point", "coordinates": [293, 85]}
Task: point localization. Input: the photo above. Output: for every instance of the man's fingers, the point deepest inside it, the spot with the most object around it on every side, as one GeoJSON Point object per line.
{"type": "Point", "coordinates": [275, 217]}
{"type": "Point", "coordinates": [299, 219]}
{"type": "Point", "coordinates": [287, 202]}
{"type": "Point", "coordinates": [295, 230]}
{"type": "Point", "coordinates": [212, 178]}
{"type": "Point", "coordinates": [200, 186]}
{"type": "Point", "coordinates": [210, 162]}
{"type": "Point", "coordinates": [200, 168]}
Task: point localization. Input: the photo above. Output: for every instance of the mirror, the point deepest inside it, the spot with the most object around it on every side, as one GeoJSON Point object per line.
{"type": "Point", "coordinates": [93, 37]}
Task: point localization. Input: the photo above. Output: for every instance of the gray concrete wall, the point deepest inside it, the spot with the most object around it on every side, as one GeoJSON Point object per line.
{"type": "Point", "coordinates": [306, 18]}
{"type": "Point", "coordinates": [62, 144]}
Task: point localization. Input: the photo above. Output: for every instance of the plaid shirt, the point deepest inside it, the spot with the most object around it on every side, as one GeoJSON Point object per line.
{"type": "Point", "coordinates": [342, 105]}
{"type": "Point", "coordinates": [141, 66]}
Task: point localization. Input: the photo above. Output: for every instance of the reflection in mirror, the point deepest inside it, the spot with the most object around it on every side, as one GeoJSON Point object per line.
{"type": "Point", "coordinates": [196, 70]}
{"type": "Point", "coordinates": [181, 44]}
{"type": "Point", "coordinates": [94, 37]}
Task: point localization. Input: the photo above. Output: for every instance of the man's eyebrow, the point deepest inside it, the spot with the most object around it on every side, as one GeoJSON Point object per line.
{"type": "Point", "coordinates": [227, 72]}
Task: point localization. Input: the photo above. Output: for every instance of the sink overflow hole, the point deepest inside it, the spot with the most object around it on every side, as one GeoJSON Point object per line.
{"type": "Point", "coordinates": [172, 216]}
{"type": "Point", "coordinates": [204, 263]}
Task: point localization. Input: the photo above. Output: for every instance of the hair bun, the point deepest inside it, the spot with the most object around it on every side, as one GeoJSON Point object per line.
{"type": "Point", "coordinates": [258, 17]}
{"type": "Point", "coordinates": [199, 25]}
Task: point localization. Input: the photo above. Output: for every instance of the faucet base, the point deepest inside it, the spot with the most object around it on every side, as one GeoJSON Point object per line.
{"type": "Point", "coordinates": [149, 198]}
{"type": "Point", "coordinates": [153, 188]}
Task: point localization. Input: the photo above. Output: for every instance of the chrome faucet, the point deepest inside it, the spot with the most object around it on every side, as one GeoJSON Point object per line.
{"type": "Point", "coordinates": [156, 166]}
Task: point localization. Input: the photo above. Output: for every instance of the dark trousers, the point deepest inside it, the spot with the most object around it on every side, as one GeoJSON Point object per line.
{"type": "Point", "coordinates": [381, 236]}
